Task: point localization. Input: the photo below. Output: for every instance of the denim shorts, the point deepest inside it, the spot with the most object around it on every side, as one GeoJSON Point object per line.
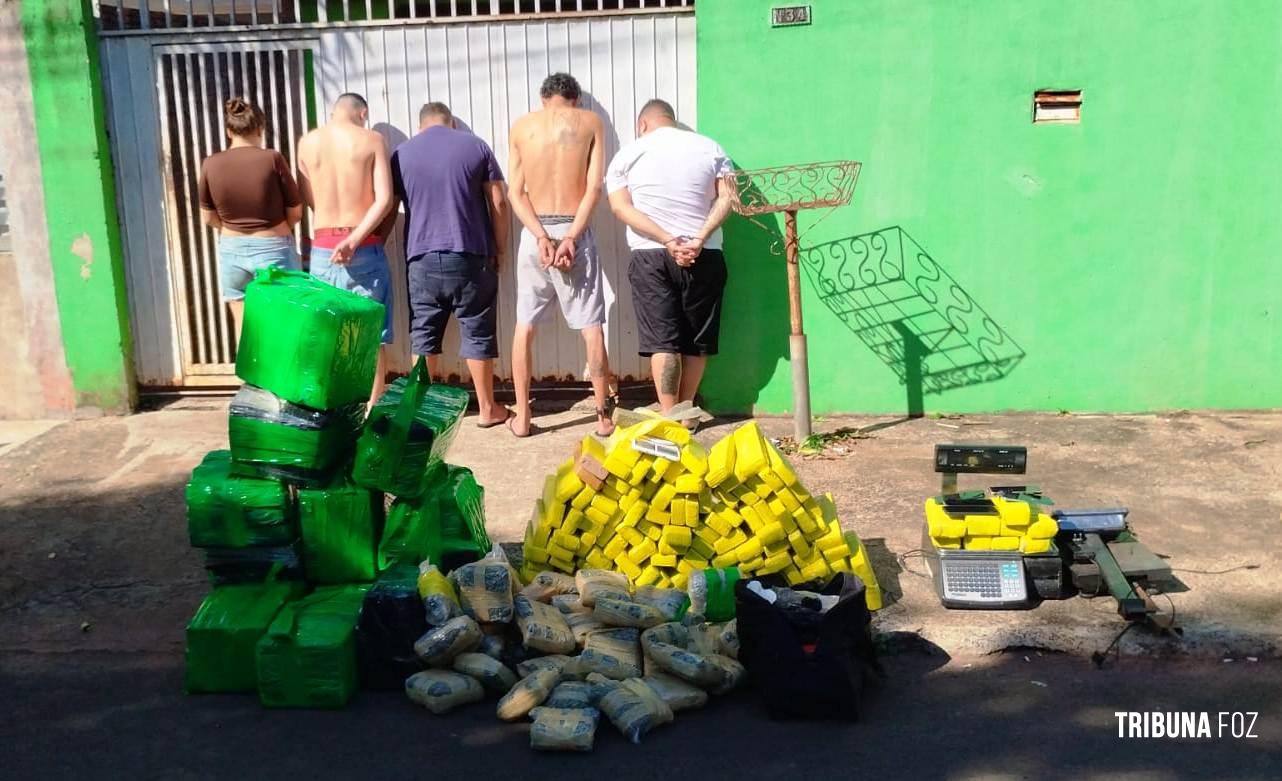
{"type": "Point", "coordinates": [458, 283]}
{"type": "Point", "coordinates": [365, 275]}
{"type": "Point", "coordinates": [241, 257]}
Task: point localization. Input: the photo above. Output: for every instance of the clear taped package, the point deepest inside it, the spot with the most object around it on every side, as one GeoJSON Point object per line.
{"type": "Point", "coordinates": [275, 437]}
{"type": "Point", "coordinates": [392, 620]}
{"type": "Point", "coordinates": [563, 729]}
{"type": "Point", "coordinates": [441, 691]}
{"type": "Point", "coordinates": [254, 564]}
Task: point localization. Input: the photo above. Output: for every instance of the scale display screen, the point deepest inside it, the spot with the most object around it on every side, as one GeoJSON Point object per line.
{"type": "Point", "coordinates": [981, 459]}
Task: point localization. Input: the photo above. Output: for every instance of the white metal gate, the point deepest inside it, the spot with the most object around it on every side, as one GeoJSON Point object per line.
{"type": "Point", "coordinates": [167, 77]}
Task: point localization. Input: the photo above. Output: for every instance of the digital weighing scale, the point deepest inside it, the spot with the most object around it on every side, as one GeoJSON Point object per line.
{"type": "Point", "coordinates": [987, 579]}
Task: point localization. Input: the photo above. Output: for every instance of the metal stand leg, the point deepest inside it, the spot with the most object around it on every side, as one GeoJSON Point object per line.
{"type": "Point", "coordinates": [797, 338]}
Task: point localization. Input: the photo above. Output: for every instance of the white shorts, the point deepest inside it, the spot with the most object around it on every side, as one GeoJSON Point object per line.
{"type": "Point", "coordinates": [579, 290]}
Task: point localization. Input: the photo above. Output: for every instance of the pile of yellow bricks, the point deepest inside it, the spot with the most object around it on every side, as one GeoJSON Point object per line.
{"type": "Point", "coordinates": [1017, 526]}
{"type": "Point", "coordinates": [739, 504]}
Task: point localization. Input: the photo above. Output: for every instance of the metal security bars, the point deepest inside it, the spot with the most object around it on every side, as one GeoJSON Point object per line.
{"type": "Point", "coordinates": [192, 85]}
{"type": "Point", "coordinates": [116, 16]}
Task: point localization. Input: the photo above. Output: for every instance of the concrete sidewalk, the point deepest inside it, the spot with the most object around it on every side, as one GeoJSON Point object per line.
{"type": "Point", "coordinates": [97, 559]}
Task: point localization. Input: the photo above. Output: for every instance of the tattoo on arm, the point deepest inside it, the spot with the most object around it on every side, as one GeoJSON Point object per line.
{"type": "Point", "coordinates": [670, 374]}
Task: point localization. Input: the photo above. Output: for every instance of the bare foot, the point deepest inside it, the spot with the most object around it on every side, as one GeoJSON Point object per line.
{"type": "Point", "coordinates": [490, 422]}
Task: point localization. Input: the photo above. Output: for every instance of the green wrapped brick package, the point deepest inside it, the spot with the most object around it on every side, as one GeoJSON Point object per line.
{"type": "Point", "coordinates": [278, 438]}
{"type": "Point", "coordinates": [307, 658]}
{"type": "Point", "coordinates": [410, 427]}
{"type": "Point", "coordinates": [340, 526]}
{"type": "Point", "coordinates": [307, 341]}
{"type": "Point", "coordinates": [224, 510]}
{"type": "Point", "coordinates": [446, 525]}
{"type": "Point", "coordinates": [223, 633]}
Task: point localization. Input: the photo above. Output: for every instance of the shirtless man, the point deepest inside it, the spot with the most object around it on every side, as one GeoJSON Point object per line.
{"type": "Point", "coordinates": [556, 165]}
{"type": "Point", "coordinates": [345, 178]}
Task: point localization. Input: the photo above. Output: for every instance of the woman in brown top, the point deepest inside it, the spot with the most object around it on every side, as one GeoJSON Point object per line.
{"type": "Point", "coordinates": [248, 194]}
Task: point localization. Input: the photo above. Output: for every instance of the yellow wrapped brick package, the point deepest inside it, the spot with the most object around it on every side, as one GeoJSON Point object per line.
{"type": "Point", "coordinates": [739, 504]}
{"type": "Point", "coordinates": [1018, 526]}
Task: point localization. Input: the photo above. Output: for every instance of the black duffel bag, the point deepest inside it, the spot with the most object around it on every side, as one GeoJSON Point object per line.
{"type": "Point", "coordinates": [807, 664]}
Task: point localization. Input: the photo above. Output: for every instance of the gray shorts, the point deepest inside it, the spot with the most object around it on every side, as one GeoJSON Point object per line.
{"type": "Point", "coordinates": [580, 290]}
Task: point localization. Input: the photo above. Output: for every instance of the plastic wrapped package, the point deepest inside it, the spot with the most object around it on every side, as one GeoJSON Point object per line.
{"type": "Point", "coordinates": [712, 593]}
{"type": "Point", "coordinates": [445, 525]}
{"type": "Point", "coordinates": [308, 341]}
{"type": "Point", "coordinates": [440, 599]}
{"type": "Point", "coordinates": [221, 636]}
{"type": "Point", "coordinates": [570, 694]}
{"type": "Point", "coordinates": [563, 729]}
{"type": "Point", "coordinates": [569, 603]}
{"type": "Point", "coordinates": [689, 666]}
{"type": "Point", "coordinates": [670, 633]}
{"type": "Point", "coordinates": [527, 694]}
{"type": "Point", "coordinates": [555, 662]}
{"type": "Point", "coordinates": [441, 691]}
{"type": "Point", "coordinates": [439, 646]}
{"type": "Point", "coordinates": [676, 693]}
{"type": "Point", "coordinates": [254, 565]}
{"type": "Point", "coordinates": [493, 674]}
{"type": "Point", "coordinates": [614, 612]}
{"type": "Point", "coordinates": [732, 673]}
{"type": "Point", "coordinates": [582, 625]}
{"type": "Point", "coordinates": [486, 588]}
{"type": "Point", "coordinates": [670, 602]}
{"type": "Point", "coordinates": [598, 687]}
{"type": "Point", "coordinates": [392, 620]}
{"type": "Point", "coordinates": [409, 428]}
{"type": "Point", "coordinates": [546, 585]}
{"type": "Point", "coordinates": [542, 626]}
{"type": "Point", "coordinates": [493, 646]}
{"type": "Point", "coordinates": [224, 510]}
{"type": "Point", "coordinates": [340, 526]}
{"type": "Point", "coordinates": [275, 436]}
{"type": "Point", "coordinates": [614, 653]}
{"type": "Point", "coordinates": [594, 583]}
{"type": "Point", "coordinates": [635, 709]}
{"type": "Point", "coordinates": [728, 635]}
{"type": "Point", "coordinates": [307, 658]}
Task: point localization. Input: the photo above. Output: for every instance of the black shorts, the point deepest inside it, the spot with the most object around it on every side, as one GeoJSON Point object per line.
{"type": "Point", "coordinates": [462, 284]}
{"type": "Point", "coordinates": [678, 309]}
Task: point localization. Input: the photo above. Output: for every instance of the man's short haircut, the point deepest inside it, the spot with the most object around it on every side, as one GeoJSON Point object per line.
{"type": "Point", "coordinates": [352, 100]}
{"type": "Point", "coordinates": [562, 84]}
{"type": "Point", "coordinates": [658, 107]}
{"type": "Point", "coordinates": [434, 109]}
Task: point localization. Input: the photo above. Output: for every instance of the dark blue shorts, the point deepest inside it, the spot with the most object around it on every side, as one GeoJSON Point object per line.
{"type": "Point", "coordinates": [458, 283]}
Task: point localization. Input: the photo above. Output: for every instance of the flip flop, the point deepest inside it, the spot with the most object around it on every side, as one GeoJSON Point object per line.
{"type": "Point", "coordinates": [492, 424]}
{"type": "Point", "coordinates": [511, 418]}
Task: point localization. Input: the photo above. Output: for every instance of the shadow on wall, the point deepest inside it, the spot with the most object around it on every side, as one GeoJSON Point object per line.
{"type": "Point", "coordinates": [891, 294]}
{"type": "Point", "coordinates": [754, 318]}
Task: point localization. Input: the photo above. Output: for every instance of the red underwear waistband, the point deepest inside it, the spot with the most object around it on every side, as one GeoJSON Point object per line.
{"type": "Point", "coordinates": [329, 238]}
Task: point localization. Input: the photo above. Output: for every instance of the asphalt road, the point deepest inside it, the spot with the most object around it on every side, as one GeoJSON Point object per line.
{"type": "Point", "coordinates": [89, 715]}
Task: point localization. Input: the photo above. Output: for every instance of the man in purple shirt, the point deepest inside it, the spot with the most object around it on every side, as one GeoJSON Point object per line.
{"type": "Point", "coordinates": [456, 227]}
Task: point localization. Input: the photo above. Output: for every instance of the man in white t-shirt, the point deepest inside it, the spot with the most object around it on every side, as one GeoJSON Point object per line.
{"type": "Point", "coordinates": [668, 187]}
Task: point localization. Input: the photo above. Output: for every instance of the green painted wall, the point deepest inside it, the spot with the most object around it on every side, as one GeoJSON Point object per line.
{"type": "Point", "coordinates": [80, 205]}
{"type": "Point", "coordinates": [1132, 259]}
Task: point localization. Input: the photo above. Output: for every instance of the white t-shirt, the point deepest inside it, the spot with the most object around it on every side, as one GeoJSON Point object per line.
{"type": "Point", "coordinates": [672, 176]}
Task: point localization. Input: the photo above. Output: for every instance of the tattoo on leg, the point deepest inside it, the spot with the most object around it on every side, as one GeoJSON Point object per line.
{"type": "Point", "coordinates": [596, 368]}
{"type": "Point", "coordinates": [670, 375]}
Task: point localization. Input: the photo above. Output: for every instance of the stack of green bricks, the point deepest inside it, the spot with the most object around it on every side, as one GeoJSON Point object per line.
{"type": "Point", "coordinates": [293, 529]}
